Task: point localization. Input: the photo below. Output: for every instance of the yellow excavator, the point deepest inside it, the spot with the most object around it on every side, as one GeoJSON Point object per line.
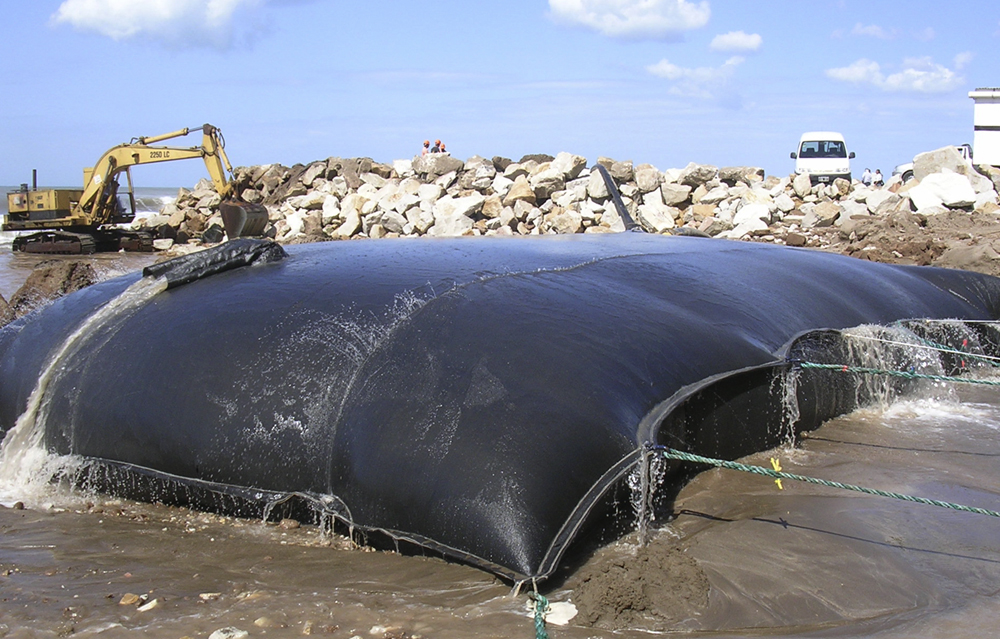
{"type": "Point", "coordinates": [83, 220]}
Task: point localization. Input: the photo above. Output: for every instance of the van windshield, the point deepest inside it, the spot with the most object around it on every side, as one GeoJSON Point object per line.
{"type": "Point", "coordinates": [823, 149]}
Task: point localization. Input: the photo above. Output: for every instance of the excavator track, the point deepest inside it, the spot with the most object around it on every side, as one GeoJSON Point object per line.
{"type": "Point", "coordinates": [73, 243]}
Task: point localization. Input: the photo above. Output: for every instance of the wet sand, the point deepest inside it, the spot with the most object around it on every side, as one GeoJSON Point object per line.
{"type": "Point", "coordinates": [741, 558]}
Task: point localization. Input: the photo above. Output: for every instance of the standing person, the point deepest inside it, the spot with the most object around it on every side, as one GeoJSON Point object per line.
{"type": "Point", "coordinates": [442, 148]}
{"type": "Point", "coordinates": [437, 147]}
{"type": "Point", "coordinates": [866, 177]}
{"type": "Point", "coordinates": [427, 147]}
{"type": "Point", "coordinates": [877, 179]}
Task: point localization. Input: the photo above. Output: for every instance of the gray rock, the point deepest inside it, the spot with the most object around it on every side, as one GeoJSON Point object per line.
{"type": "Point", "coordinates": [350, 225]}
{"type": "Point", "coordinates": [748, 227]}
{"type": "Point", "coordinates": [467, 206]}
{"type": "Point", "coordinates": [569, 165]}
{"type": "Point", "coordinates": [514, 171]}
{"type": "Point", "coordinates": [802, 185]}
{"type": "Point", "coordinates": [821, 215]}
{"type": "Point", "coordinates": [403, 168]}
{"type": "Point", "coordinates": [596, 187]}
{"type": "Point", "coordinates": [546, 182]}
{"type": "Point", "coordinates": [647, 178]}
{"type": "Point", "coordinates": [656, 218]}
{"type": "Point", "coordinates": [695, 175]}
{"type": "Point", "coordinates": [621, 171]}
{"type": "Point", "coordinates": [716, 195]}
{"type": "Point", "coordinates": [991, 172]}
{"type": "Point", "coordinates": [393, 222]}
{"type": "Point", "coordinates": [563, 221]}
{"type": "Point", "coordinates": [752, 211]}
{"type": "Point", "coordinates": [434, 164]}
{"type": "Point", "coordinates": [313, 200]}
{"type": "Point", "coordinates": [840, 188]}
{"type": "Point", "coordinates": [492, 207]}
{"type": "Point", "coordinates": [675, 194]}
{"type": "Point", "coordinates": [520, 190]}
{"type": "Point", "coordinates": [875, 197]}
{"type": "Point", "coordinates": [943, 189]}
{"type": "Point", "coordinates": [732, 175]}
{"type": "Point", "coordinates": [784, 203]}
{"type": "Point", "coordinates": [935, 161]}
{"type": "Point", "coordinates": [374, 179]}
{"type": "Point", "coordinates": [314, 170]}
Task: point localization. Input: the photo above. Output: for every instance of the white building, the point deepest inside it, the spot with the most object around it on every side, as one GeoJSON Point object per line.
{"type": "Point", "coordinates": [986, 122]}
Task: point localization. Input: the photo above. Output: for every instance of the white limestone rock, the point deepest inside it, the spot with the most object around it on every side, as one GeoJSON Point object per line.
{"type": "Point", "coordinates": [647, 178]}
{"type": "Point", "coordinates": [675, 194]}
{"type": "Point", "coordinates": [936, 161]}
{"type": "Point", "coordinates": [784, 203]}
{"type": "Point", "coordinates": [948, 189]}
{"type": "Point", "coordinates": [802, 185]}
{"type": "Point", "coordinates": [596, 187]}
{"type": "Point", "coordinates": [563, 221]}
{"type": "Point", "coordinates": [752, 212]}
{"type": "Point", "coordinates": [569, 165]}
{"type": "Point", "coordinates": [656, 217]}
{"type": "Point", "coordinates": [694, 175]}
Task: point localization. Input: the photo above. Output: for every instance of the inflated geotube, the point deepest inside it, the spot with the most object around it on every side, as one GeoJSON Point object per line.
{"type": "Point", "coordinates": [479, 397]}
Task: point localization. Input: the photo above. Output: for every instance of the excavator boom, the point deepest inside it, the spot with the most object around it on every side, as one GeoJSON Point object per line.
{"type": "Point", "coordinates": [67, 213]}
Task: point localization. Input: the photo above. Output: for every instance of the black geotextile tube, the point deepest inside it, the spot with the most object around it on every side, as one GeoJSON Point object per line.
{"type": "Point", "coordinates": [230, 255]}
{"type": "Point", "coordinates": [478, 397]}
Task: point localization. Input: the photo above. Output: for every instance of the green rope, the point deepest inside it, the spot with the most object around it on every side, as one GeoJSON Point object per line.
{"type": "Point", "coordinates": [904, 374]}
{"type": "Point", "coordinates": [670, 453]}
{"type": "Point", "coordinates": [541, 606]}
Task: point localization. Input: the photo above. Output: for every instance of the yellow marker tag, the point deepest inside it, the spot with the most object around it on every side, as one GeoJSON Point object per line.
{"type": "Point", "coordinates": [777, 468]}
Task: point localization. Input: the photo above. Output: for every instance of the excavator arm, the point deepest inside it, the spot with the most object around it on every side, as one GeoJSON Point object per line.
{"type": "Point", "coordinates": [74, 221]}
{"type": "Point", "coordinates": [124, 156]}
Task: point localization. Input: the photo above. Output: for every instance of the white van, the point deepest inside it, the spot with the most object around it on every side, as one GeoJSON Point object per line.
{"type": "Point", "coordinates": [823, 156]}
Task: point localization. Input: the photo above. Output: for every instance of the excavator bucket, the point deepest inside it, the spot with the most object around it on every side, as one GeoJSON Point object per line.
{"type": "Point", "coordinates": [243, 219]}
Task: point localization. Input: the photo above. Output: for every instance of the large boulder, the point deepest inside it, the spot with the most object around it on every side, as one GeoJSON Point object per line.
{"type": "Point", "coordinates": [520, 190]}
{"type": "Point", "coordinates": [647, 178]}
{"type": "Point", "coordinates": [571, 166]}
{"type": "Point", "coordinates": [563, 221]}
{"type": "Point", "coordinates": [675, 194]}
{"type": "Point", "coordinates": [655, 217]}
{"type": "Point", "coordinates": [802, 185]}
{"type": "Point", "coordinates": [936, 161]}
{"type": "Point", "coordinates": [732, 175]}
{"type": "Point", "coordinates": [435, 164]}
{"type": "Point", "coordinates": [695, 175]}
{"type": "Point", "coordinates": [948, 189]}
{"type": "Point", "coordinates": [821, 215]}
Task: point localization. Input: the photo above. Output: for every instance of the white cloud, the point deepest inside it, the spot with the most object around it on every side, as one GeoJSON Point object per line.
{"type": "Point", "coordinates": [873, 31]}
{"type": "Point", "coordinates": [963, 59]}
{"type": "Point", "coordinates": [736, 41]}
{"type": "Point", "coordinates": [655, 19]}
{"type": "Point", "coordinates": [177, 22]}
{"type": "Point", "coordinates": [918, 75]}
{"type": "Point", "coordinates": [700, 82]}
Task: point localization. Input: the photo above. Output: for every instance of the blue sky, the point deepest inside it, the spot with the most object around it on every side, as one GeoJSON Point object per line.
{"type": "Point", "coordinates": [658, 81]}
